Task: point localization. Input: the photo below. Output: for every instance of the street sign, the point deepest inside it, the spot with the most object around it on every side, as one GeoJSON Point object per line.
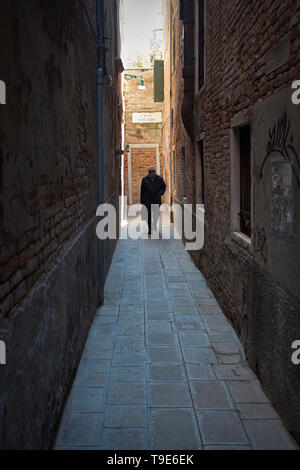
{"type": "Point", "coordinates": [146, 118]}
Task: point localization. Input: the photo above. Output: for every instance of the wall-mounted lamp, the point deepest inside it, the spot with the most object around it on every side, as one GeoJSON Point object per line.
{"type": "Point", "coordinates": [129, 76]}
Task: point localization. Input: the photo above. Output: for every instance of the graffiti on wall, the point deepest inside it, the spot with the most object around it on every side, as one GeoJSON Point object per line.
{"type": "Point", "coordinates": [284, 163]}
{"type": "Point", "coordinates": [260, 243]}
{"type": "Point", "coordinates": [281, 144]}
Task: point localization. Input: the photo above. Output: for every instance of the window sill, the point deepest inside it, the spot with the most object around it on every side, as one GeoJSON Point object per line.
{"type": "Point", "coordinates": [243, 240]}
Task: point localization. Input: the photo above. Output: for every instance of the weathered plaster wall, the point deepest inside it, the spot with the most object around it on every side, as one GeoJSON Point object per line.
{"type": "Point", "coordinates": [273, 298]}
{"type": "Point", "coordinates": [45, 338]}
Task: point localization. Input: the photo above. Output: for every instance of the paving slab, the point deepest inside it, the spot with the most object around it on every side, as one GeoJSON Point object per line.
{"type": "Point", "coordinates": [129, 344]}
{"type": "Point", "coordinates": [131, 319]}
{"type": "Point", "coordinates": [128, 374]}
{"type": "Point", "coordinates": [124, 439]}
{"type": "Point", "coordinates": [247, 391]}
{"type": "Point", "coordinates": [128, 416]}
{"type": "Point", "coordinates": [211, 395]}
{"type": "Point", "coordinates": [174, 430]}
{"type": "Point", "coordinates": [159, 326]}
{"type": "Point", "coordinates": [167, 373]}
{"type": "Point", "coordinates": [185, 309]}
{"type": "Point", "coordinates": [120, 393]}
{"type": "Point", "coordinates": [129, 329]}
{"type": "Point", "coordinates": [222, 428]}
{"type": "Point", "coordinates": [80, 429]}
{"type": "Point", "coordinates": [169, 395]}
{"type": "Point", "coordinates": [200, 372]}
{"type": "Point", "coordinates": [159, 315]}
{"type": "Point", "coordinates": [128, 359]}
{"type": "Point", "coordinates": [137, 311]}
{"type": "Point", "coordinates": [162, 339]}
{"type": "Point", "coordinates": [161, 354]}
{"type": "Point", "coordinates": [199, 355]}
{"type": "Point", "coordinates": [197, 340]}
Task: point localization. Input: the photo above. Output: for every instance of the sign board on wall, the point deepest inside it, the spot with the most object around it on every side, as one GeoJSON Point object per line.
{"type": "Point", "coordinates": [146, 118]}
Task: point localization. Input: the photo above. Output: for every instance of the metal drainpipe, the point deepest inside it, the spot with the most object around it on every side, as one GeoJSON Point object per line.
{"type": "Point", "coordinates": [100, 179]}
{"type": "Point", "coordinates": [171, 87]}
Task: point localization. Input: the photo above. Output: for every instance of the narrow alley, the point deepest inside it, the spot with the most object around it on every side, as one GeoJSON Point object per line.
{"type": "Point", "coordinates": [149, 228]}
{"type": "Point", "coordinates": [162, 367]}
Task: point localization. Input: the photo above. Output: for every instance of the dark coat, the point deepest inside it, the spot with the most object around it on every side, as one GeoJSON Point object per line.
{"type": "Point", "coordinates": [151, 192]}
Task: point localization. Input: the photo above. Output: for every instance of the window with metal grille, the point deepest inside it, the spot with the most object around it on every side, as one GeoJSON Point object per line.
{"type": "Point", "coordinates": [245, 180]}
{"type": "Point", "coordinates": [200, 193]}
{"type": "Point", "coordinates": [182, 171]}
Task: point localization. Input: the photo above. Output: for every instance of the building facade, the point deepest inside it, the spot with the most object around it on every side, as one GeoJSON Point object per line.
{"type": "Point", "coordinates": [143, 131]}
{"type": "Point", "coordinates": [231, 138]}
{"type": "Point", "coordinates": [49, 280]}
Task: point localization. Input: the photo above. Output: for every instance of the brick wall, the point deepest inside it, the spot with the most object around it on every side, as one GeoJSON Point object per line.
{"type": "Point", "coordinates": [252, 58]}
{"type": "Point", "coordinates": [48, 187]}
{"type": "Point", "coordinates": [141, 160]}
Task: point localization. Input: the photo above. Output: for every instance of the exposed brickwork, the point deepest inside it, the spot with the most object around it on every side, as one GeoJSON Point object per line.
{"type": "Point", "coordinates": [236, 79]}
{"type": "Point", "coordinates": [252, 52]}
{"type": "Point", "coordinates": [47, 203]}
{"type": "Point", "coordinates": [48, 189]}
{"type": "Point", "coordinates": [141, 160]}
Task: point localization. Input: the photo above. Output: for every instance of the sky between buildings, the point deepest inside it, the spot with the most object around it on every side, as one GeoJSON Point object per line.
{"type": "Point", "coordinates": [140, 18]}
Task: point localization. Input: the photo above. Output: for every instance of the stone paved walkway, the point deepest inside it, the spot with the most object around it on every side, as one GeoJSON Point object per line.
{"type": "Point", "coordinates": [162, 367]}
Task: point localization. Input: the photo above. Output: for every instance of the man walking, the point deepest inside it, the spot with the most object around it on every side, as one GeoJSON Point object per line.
{"type": "Point", "coordinates": [152, 189]}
